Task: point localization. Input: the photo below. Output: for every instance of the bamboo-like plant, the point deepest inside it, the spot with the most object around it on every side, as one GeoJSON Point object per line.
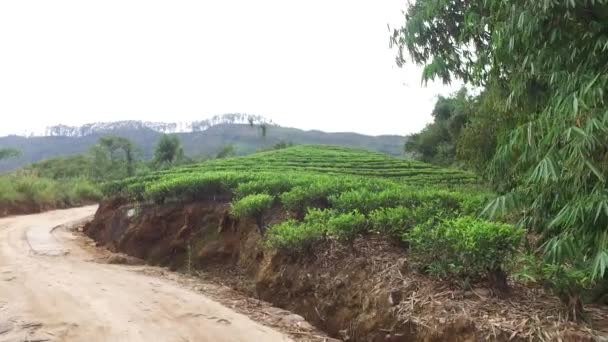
{"type": "Point", "coordinates": [550, 59]}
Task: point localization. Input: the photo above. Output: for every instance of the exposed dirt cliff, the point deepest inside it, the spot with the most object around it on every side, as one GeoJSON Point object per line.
{"type": "Point", "coordinates": [362, 291]}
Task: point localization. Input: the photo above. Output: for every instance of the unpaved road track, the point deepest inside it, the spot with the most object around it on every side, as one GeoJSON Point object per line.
{"type": "Point", "coordinates": [51, 290]}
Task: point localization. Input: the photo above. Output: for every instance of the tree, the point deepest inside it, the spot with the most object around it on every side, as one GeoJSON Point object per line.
{"type": "Point", "coordinates": [548, 61]}
{"type": "Point", "coordinates": [168, 150]}
{"type": "Point", "coordinates": [436, 143]}
{"type": "Point", "coordinates": [114, 157]}
{"type": "Point", "coordinates": [6, 153]}
{"type": "Point", "coordinates": [226, 151]}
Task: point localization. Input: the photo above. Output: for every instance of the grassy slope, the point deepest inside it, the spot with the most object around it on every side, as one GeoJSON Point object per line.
{"type": "Point", "coordinates": [25, 193]}
{"type": "Point", "coordinates": [51, 184]}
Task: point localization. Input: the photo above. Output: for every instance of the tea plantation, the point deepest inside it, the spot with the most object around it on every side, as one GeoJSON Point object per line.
{"type": "Point", "coordinates": [336, 193]}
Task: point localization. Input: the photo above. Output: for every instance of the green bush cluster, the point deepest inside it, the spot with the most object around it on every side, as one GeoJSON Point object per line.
{"type": "Point", "coordinates": [31, 190]}
{"type": "Point", "coordinates": [252, 205]}
{"type": "Point", "coordinates": [399, 220]}
{"type": "Point", "coordinates": [465, 247]}
{"type": "Point", "coordinates": [317, 225]}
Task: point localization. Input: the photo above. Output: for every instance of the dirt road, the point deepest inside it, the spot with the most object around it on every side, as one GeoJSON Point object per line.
{"type": "Point", "coordinates": [51, 290]}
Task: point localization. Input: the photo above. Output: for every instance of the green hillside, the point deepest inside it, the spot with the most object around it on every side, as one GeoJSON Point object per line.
{"type": "Point", "coordinates": [336, 160]}
{"type": "Point", "coordinates": [337, 193]}
{"type": "Point", "coordinates": [311, 160]}
{"type": "Point", "coordinates": [199, 144]}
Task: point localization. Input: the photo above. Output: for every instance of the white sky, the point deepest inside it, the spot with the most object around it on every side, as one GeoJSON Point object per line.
{"type": "Point", "coordinates": [308, 64]}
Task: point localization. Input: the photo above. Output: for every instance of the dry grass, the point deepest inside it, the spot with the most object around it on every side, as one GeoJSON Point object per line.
{"type": "Point", "coordinates": [526, 313]}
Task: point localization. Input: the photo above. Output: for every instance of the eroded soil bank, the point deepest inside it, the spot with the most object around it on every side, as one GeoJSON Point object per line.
{"type": "Point", "coordinates": [364, 291]}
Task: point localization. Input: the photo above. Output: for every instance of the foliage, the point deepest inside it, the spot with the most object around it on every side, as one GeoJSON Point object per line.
{"type": "Point", "coordinates": [547, 61]}
{"type": "Point", "coordinates": [294, 236]}
{"type": "Point", "coordinates": [341, 204]}
{"type": "Point", "coordinates": [367, 200]}
{"type": "Point", "coordinates": [277, 146]}
{"type": "Point", "coordinates": [226, 151]}
{"type": "Point", "coordinates": [204, 142]}
{"type": "Point", "coordinates": [436, 143]}
{"type": "Point", "coordinates": [8, 153]}
{"type": "Point", "coordinates": [465, 247]}
{"type": "Point", "coordinates": [252, 206]}
{"type": "Point", "coordinates": [399, 220]}
{"type": "Point", "coordinates": [58, 182]}
{"type": "Point", "coordinates": [168, 150]}
{"type": "Point", "coordinates": [316, 194]}
{"type": "Point", "coordinates": [305, 186]}
{"type": "Point", "coordinates": [30, 191]}
{"type": "Point", "coordinates": [270, 185]}
{"type": "Point", "coordinates": [317, 225]}
{"type": "Point", "coordinates": [114, 157]}
{"type": "Point", "coordinates": [346, 225]}
{"type": "Point", "coordinates": [78, 166]}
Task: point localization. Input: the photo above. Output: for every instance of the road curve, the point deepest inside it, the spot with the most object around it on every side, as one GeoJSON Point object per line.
{"type": "Point", "coordinates": [51, 290]}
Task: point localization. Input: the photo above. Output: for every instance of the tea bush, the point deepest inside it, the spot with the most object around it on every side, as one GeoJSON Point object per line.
{"type": "Point", "coordinates": [464, 247]}
{"type": "Point", "coordinates": [346, 225]}
{"type": "Point", "coordinates": [399, 220]}
{"type": "Point", "coordinates": [317, 225]}
{"type": "Point", "coordinates": [293, 236]}
{"type": "Point", "coordinates": [252, 206]}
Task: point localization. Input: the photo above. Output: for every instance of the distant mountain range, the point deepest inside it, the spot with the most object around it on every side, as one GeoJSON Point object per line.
{"type": "Point", "coordinates": [199, 139]}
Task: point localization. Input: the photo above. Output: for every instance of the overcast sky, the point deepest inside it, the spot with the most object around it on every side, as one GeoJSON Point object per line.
{"type": "Point", "coordinates": [308, 64]}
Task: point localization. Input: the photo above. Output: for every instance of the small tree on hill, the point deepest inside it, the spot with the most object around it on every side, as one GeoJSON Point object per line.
{"type": "Point", "coordinates": [114, 157]}
{"type": "Point", "coordinates": [226, 151]}
{"type": "Point", "coordinates": [168, 150]}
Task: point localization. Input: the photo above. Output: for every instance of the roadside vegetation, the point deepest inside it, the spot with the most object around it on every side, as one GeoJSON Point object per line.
{"type": "Point", "coordinates": [331, 193]}
{"type": "Point", "coordinates": [75, 180]}
{"type": "Point", "coordinates": [536, 126]}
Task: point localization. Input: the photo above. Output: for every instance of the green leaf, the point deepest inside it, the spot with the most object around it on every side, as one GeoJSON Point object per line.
{"type": "Point", "coordinates": [594, 169]}
{"type": "Point", "coordinates": [600, 263]}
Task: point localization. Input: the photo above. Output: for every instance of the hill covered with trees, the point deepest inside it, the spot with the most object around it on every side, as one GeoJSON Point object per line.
{"type": "Point", "coordinates": [200, 140]}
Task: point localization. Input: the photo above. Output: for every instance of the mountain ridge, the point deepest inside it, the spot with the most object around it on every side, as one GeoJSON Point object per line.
{"type": "Point", "coordinates": [246, 138]}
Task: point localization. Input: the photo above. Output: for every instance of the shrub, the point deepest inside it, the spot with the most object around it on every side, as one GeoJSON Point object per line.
{"type": "Point", "coordinates": [30, 190]}
{"type": "Point", "coordinates": [294, 236]}
{"type": "Point", "coordinates": [316, 194]}
{"type": "Point", "coordinates": [252, 205]}
{"type": "Point", "coordinates": [84, 190]}
{"type": "Point", "coordinates": [464, 247]}
{"type": "Point", "coordinates": [396, 221]}
{"type": "Point", "coordinates": [39, 191]}
{"type": "Point", "coordinates": [8, 193]}
{"type": "Point", "coordinates": [273, 186]}
{"type": "Point", "coordinates": [193, 186]}
{"type": "Point", "coordinates": [346, 225]}
{"type": "Point", "coordinates": [364, 200]}
{"type": "Point", "coordinates": [318, 216]}
{"type": "Point", "coordinates": [317, 224]}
